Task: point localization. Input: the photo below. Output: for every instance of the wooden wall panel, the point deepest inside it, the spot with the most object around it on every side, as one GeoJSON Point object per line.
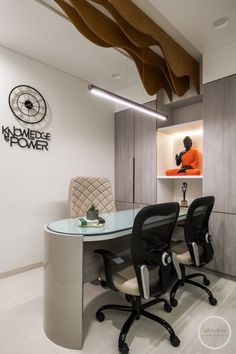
{"type": "Point", "coordinates": [145, 150]}
{"type": "Point", "coordinates": [219, 162]}
{"type": "Point", "coordinates": [157, 105]}
{"type": "Point", "coordinates": [223, 230]}
{"type": "Point", "coordinates": [124, 135]}
{"type": "Point", "coordinates": [188, 113]}
{"type": "Point", "coordinates": [135, 159]}
{"type": "Point", "coordinates": [126, 206]}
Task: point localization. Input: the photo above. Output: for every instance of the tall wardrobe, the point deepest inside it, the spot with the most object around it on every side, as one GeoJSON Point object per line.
{"type": "Point", "coordinates": [136, 155]}
{"type": "Point", "coordinates": [135, 159]}
{"type": "Point", "coordinates": [219, 102]}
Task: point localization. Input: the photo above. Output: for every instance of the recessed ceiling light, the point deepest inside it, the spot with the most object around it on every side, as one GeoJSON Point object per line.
{"type": "Point", "coordinates": [221, 22]}
{"type": "Point", "coordinates": [115, 76]}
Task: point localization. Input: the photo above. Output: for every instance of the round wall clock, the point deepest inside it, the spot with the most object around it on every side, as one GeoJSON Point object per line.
{"type": "Point", "coordinates": [27, 104]}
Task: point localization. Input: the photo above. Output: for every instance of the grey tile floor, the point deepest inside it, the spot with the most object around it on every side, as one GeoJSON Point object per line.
{"type": "Point", "coordinates": [21, 319]}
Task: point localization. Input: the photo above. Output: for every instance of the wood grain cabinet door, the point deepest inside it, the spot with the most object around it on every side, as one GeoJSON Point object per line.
{"type": "Point", "coordinates": [124, 142]}
{"type": "Point", "coordinates": [145, 154]}
{"type": "Point", "coordinates": [135, 158]}
{"type": "Point", "coordinates": [219, 158]}
{"type": "Point", "coordinates": [223, 231]}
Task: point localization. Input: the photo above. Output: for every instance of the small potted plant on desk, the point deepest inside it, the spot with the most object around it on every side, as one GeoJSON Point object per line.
{"type": "Point", "coordinates": [92, 213]}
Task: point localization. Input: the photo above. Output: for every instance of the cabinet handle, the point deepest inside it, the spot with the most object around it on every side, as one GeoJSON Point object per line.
{"type": "Point", "coordinates": [133, 179]}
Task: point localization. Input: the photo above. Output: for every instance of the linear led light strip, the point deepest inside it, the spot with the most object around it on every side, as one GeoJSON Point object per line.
{"type": "Point", "coordinates": [125, 101]}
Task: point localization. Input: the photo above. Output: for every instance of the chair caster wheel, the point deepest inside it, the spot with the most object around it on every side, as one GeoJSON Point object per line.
{"type": "Point", "coordinates": [103, 283]}
{"type": "Point", "coordinates": [100, 316]}
{"type": "Point", "coordinates": [124, 349]}
{"type": "Point", "coordinates": [174, 341]}
{"type": "Point", "coordinates": [206, 282]}
{"type": "Point", "coordinates": [167, 308]}
{"type": "Point", "coordinates": [212, 301]}
{"type": "Point", "coordinates": [173, 302]}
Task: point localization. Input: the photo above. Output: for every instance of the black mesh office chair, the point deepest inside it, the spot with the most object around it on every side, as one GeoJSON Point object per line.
{"type": "Point", "coordinates": [197, 249]}
{"type": "Point", "coordinates": [150, 273]}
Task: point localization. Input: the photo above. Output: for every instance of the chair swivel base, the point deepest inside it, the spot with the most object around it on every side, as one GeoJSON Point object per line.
{"type": "Point", "coordinates": [137, 309]}
{"type": "Point", "coordinates": [187, 279]}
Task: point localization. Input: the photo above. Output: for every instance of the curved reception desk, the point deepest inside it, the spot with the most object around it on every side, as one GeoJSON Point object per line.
{"type": "Point", "coordinates": [63, 298]}
{"type": "Point", "coordinates": [70, 262]}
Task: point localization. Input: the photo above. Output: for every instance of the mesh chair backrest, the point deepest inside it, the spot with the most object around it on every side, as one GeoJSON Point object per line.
{"type": "Point", "coordinates": [196, 227]}
{"type": "Point", "coordinates": [153, 228]}
{"type": "Point", "coordinates": [85, 191]}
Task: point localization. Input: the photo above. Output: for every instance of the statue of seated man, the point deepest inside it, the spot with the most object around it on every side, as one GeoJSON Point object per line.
{"type": "Point", "coordinates": [189, 160]}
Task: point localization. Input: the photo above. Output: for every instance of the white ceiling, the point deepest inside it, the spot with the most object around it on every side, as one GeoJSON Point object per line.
{"type": "Point", "coordinates": [34, 30]}
{"type": "Point", "coordinates": [195, 18]}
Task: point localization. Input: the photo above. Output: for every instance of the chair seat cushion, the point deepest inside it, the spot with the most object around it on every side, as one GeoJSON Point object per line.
{"type": "Point", "coordinates": [183, 254]}
{"type": "Point", "coordinates": [184, 258]}
{"type": "Point", "coordinates": [181, 249]}
{"type": "Point", "coordinates": [124, 278]}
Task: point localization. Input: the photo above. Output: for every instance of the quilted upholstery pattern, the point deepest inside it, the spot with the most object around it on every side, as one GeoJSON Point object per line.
{"type": "Point", "coordinates": [85, 191]}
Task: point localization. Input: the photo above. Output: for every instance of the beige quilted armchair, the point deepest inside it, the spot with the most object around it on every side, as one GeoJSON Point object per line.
{"type": "Point", "coordinates": [85, 191]}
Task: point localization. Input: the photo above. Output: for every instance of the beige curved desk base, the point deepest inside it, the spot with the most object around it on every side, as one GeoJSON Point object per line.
{"type": "Point", "coordinates": [69, 263]}
{"type": "Point", "coordinates": [63, 295]}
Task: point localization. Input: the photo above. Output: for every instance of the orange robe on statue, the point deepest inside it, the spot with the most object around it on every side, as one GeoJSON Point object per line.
{"type": "Point", "coordinates": [189, 158]}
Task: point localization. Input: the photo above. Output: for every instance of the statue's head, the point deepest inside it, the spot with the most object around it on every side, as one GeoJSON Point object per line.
{"type": "Point", "coordinates": [187, 142]}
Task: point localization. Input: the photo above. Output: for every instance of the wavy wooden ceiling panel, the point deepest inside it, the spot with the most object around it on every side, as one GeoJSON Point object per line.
{"type": "Point", "coordinates": [134, 32]}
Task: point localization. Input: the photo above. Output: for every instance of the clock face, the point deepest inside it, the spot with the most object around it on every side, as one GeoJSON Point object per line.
{"type": "Point", "coordinates": [27, 104]}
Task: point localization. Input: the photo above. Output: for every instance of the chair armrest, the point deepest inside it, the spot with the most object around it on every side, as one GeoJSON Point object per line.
{"type": "Point", "coordinates": [195, 253]}
{"type": "Point", "coordinates": [145, 281]}
{"type": "Point", "coordinates": [109, 258]}
{"type": "Point", "coordinates": [176, 265]}
{"type": "Point", "coordinates": [162, 247]}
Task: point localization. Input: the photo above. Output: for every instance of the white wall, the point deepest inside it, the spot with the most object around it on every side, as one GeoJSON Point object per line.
{"type": "Point", "coordinates": [34, 184]}
{"type": "Point", "coordinates": [219, 63]}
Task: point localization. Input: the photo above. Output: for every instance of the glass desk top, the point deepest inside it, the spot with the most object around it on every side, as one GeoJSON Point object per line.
{"type": "Point", "coordinates": [116, 222]}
